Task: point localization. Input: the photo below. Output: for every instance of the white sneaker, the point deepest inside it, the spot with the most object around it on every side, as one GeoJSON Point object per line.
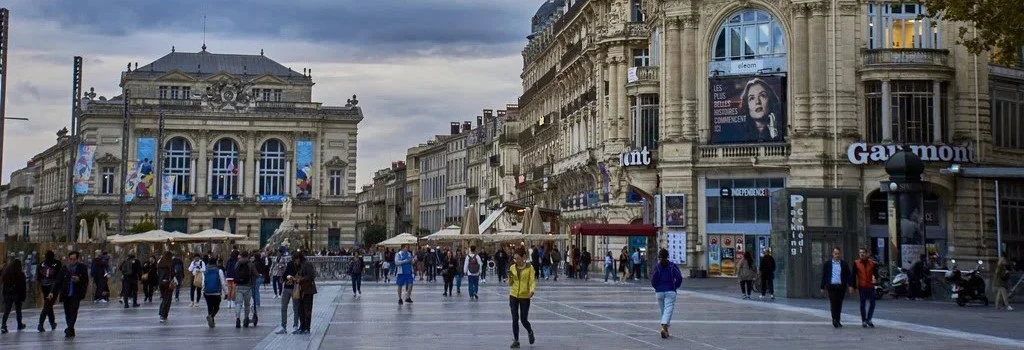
{"type": "Point", "coordinates": [1009, 308]}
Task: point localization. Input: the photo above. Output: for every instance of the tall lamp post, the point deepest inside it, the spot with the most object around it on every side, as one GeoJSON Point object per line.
{"type": "Point", "coordinates": [906, 207]}
{"type": "Point", "coordinates": [311, 225]}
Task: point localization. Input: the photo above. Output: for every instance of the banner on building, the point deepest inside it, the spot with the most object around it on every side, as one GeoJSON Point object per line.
{"type": "Point", "coordinates": [714, 259]}
{"type": "Point", "coordinates": [145, 155]}
{"type": "Point", "coordinates": [83, 168]}
{"type": "Point", "coordinates": [131, 181]}
{"type": "Point", "coordinates": [677, 247]}
{"type": "Point", "coordinates": [675, 210]}
{"type": "Point", "coordinates": [167, 193]}
{"type": "Point", "coordinates": [748, 109]}
{"type": "Point", "coordinates": [303, 168]}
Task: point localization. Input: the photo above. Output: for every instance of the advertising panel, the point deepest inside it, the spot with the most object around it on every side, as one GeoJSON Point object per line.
{"type": "Point", "coordinates": [145, 155]}
{"type": "Point", "coordinates": [714, 259]}
{"type": "Point", "coordinates": [130, 181]}
{"type": "Point", "coordinates": [303, 168]}
{"type": "Point", "coordinates": [167, 193]}
{"type": "Point", "coordinates": [83, 168]}
{"type": "Point", "coordinates": [748, 109]}
{"type": "Point", "coordinates": [677, 247]}
{"type": "Point", "coordinates": [675, 210]}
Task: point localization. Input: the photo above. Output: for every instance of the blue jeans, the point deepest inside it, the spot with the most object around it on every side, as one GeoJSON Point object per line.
{"type": "Point", "coordinates": [867, 295]}
{"type": "Point", "coordinates": [609, 270]}
{"type": "Point", "coordinates": [474, 285]}
{"type": "Point", "coordinates": [667, 304]}
{"type": "Point", "coordinates": [458, 283]}
{"type": "Point", "coordinates": [256, 291]}
{"type": "Point", "coordinates": [547, 271]}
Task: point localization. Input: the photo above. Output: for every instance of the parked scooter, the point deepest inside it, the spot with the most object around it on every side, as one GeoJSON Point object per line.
{"type": "Point", "coordinates": [900, 284]}
{"type": "Point", "coordinates": [967, 287]}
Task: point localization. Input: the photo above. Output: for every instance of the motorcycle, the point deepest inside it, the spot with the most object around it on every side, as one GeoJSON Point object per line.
{"type": "Point", "coordinates": [967, 287]}
{"type": "Point", "coordinates": [900, 285]}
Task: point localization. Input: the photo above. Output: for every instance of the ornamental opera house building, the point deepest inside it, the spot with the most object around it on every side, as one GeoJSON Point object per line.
{"type": "Point", "coordinates": [240, 135]}
{"type": "Point", "coordinates": [707, 108]}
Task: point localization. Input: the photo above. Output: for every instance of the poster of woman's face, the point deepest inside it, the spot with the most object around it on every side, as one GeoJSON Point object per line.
{"type": "Point", "coordinates": [748, 110]}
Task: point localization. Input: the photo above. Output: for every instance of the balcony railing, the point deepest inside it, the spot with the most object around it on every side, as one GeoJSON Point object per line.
{"type": "Point", "coordinates": [164, 102]}
{"type": "Point", "coordinates": [643, 74]}
{"type": "Point", "coordinates": [744, 151]}
{"type": "Point", "coordinates": [579, 159]}
{"type": "Point", "coordinates": [571, 52]}
{"type": "Point", "coordinates": [932, 57]}
{"type": "Point", "coordinates": [287, 105]}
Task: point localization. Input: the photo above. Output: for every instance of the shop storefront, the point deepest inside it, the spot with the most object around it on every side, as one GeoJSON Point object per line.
{"type": "Point", "coordinates": [738, 220]}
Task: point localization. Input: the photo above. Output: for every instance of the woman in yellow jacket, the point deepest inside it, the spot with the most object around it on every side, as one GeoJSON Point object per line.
{"type": "Point", "coordinates": [523, 283]}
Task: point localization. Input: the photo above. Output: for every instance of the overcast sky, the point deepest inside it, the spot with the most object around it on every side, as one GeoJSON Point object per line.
{"type": "Point", "coordinates": [415, 65]}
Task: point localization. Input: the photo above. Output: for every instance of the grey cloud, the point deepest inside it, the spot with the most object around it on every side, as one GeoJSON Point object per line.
{"type": "Point", "coordinates": [383, 24]}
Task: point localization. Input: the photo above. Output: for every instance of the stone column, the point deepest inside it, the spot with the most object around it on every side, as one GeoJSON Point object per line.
{"type": "Point", "coordinates": [240, 188]}
{"type": "Point", "coordinates": [801, 118]}
{"type": "Point", "coordinates": [611, 134]}
{"type": "Point", "coordinates": [936, 111]}
{"type": "Point", "coordinates": [193, 176]}
{"type": "Point", "coordinates": [624, 122]}
{"type": "Point", "coordinates": [671, 102]}
{"type": "Point", "coordinates": [689, 78]}
{"type": "Point", "coordinates": [202, 182]}
{"type": "Point", "coordinates": [209, 178]}
{"type": "Point", "coordinates": [886, 111]}
{"type": "Point", "coordinates": [250, 155]}
{"type": "Point", "coordinates": [817, 46]}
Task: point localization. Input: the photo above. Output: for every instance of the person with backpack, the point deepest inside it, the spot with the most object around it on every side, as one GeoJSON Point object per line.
{"type": "Point", "coordinates": [213, 287]}
{"type": "Point", "coordinates": [49, 277]}
{"type": "Point", "coordinates": [666, 279]}
{"type": "Point", "coordinates": [73, 286]}
{"type": "Point", "coordinates": [355, 269]}
{"type": "Point", "coordinates": [245, 282]}
{"type": "Point", "coordinates": [556, 262]}
{"type": "Point", "coordinates": [473, 265]}
{"type": "Point", "coordinates": [130, 272]}
{"type": "Point", "coordinates": [14, 290]}
{"type": "Point", "coordinates": [168, 282]}
{"type": "Point", "coordinates": [197, 267]}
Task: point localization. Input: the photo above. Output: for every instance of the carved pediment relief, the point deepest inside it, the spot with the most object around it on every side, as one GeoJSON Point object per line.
{"type": "Point", "coordinates": [268, 79]}
{"type": "Point", "coordinates": [108, 159]}
{"type": "Point", "coordinates": [227, 93]}
{"type": "Point", "coordinates": [336, 162]}
{"type": "Point", "coordinates": [176, 75]}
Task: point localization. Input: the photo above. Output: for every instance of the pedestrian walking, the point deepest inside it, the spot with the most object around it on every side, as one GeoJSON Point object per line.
{"type": "Point", "coordinates": [556, 261]}
{"type": "Point", "coordinates": [866, 274]}
{"type": "Point", "coordinates": [635, 260]}
{"type": "Point", "coordinates": [150, 279]}
{"type": "Point", "coordinates": [168, 283]}
{"type": "Point", "coordinates": [767, 269]}
{"type": "Point", "coordinates": [259, 260]}
{"type": "Point", "coordinates": [277, 274]}
{"type": "Point", "coordinates": [585, 259]}
{"type": "Point", "coordinates": [355, 269]}
{"type": "Point", "coordinates": [99, 272]}
{"type": "Point", "coordinates": [522, 283]}
{"type": "Point", "coordinates": [501, 264]}
{"type": "Point", "coordinates": [624, 265]}
{"type": "Point", "coordinates": [245, 283]}
{"type": "Point", "coordinates": [73, 287]}
{"type": "Point", "coordinates": [385, 267]}
{"type": "Point", "coordinates": [49, 277]}
{"type": "Point", "coordinates": [448, 274]}
{"type": "Point", "coordinates": [403, 262]}
{"type": "Point", "coordinates": [213, 286]}
{"type": "Point", "coordinates": [305, 280]}
{"type": "Point", "coordinates": [179, 275]}
{"type": "Point", "coordinates": [131, 271]}
{"type": "Point", "coordinates": [666, 280]}
{"type": "Point", "coordinates": [835, 280]}
{"type": "Point", "coordinates": [472, 265]}
{"type": "Point", "coordinates": [1001, 277]}
{"type": "Point", "coordinates": [747, 275]}
{"type": "Point", "coordinates": [14, 291]}
{"type": "Point", "coordinates": [196, 268]}
{"type": "Point", "coordinates": [229, 274]}
{"type": "Point", "coordinates": [460, 271]}
{"type": "Point", "coordinates": [288, 295]}
{"type": "Point", "coordinates": [609, 267]}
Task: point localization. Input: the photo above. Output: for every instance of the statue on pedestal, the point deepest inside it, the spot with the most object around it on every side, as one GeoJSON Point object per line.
{"type": "Point", "coordinates": [286, 209]}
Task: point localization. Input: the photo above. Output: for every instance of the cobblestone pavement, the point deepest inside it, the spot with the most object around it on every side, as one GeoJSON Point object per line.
{"type": "Point", "coordinates": [565, 315]}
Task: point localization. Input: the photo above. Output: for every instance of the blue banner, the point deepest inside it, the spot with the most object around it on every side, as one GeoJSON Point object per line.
{"type": "Point", "coordinates": [145, 155]}
{"type": "Point", "coordinates": [131, 179]}
{"type": "Point", "coordinates": [303, 168]}
{"type": "Point", "coordinates": [83, 168]}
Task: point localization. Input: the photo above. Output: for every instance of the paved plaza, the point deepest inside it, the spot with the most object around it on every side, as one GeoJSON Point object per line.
{"type": "Point", "coordinates": [565, 314]}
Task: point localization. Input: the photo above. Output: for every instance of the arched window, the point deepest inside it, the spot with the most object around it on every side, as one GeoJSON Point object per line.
{"type": "Point", "coordinates": [272, 169]}
{"type": "Point", "coordinates": [749, 34]}
{"type": "Point", "coordinates": [178, 163]}
{"type": "Point", "coordinates": [224, 169]}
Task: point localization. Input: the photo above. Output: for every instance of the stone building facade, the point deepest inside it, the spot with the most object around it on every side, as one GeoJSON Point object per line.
{"type": "Point", "coordinates": [16, 204]}
{"type": "Point", "coordinates": [725, 102]}
{"type": "Point", "coordinates": [240, 135]}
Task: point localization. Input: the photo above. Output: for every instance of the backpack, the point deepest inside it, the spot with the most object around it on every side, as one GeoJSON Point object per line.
{"type": "Point", "coordinates": [474, 264]}
{"type": "Point", "coordinates": [49, 275]}
{"type": "Point", "coordinates": [244, 274]}
{"type": "Point", "coordinates": [211, 281]}
{"type": "Point", "coordinates": [127, 269]}
{"type": "Point", "coordinates": [198, 277]}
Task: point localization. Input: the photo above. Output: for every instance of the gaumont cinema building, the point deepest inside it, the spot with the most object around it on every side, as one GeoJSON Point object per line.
{"type": "Point", "coordinates": [755, 96]}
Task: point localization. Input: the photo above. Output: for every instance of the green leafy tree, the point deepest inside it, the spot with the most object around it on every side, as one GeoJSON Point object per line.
{"type": "Point", "coordinates": [142, 226]}
{"type": "Point", "coordinates": [374, 234]}
{"type": "Point", "coordinates": [999, 29]}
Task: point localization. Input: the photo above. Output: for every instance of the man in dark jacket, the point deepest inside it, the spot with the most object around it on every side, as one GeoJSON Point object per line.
{"type": "Point", "coordinates": [49, 277]}
{"type": "Point", "coordinates": [100, 265]}
{"type": "Point", "coordinates": [585, 264]}
{"type": "Point", "coordinates": [179, 274]}
{"type": "Point", "coordinates": [73, 286]}
{"type": "Point", "coordinates": [836, 279]}
{"type": "Point", "coordinates": [245, 279]}
{"type": "Point", "coordinates": [131, 272]}
{"type": "Point", "coordinates": [767, 269]}
{"type": "Point", "coordinates": [501, 264]}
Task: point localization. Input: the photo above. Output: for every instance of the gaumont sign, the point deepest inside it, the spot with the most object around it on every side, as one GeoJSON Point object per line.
{"type": "Point", "coordinates": [864, 153]}
{"type": "Point", "coordinates": [640, 157]}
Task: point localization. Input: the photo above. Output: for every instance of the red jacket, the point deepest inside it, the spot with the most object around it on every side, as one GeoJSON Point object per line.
{"type": "Point", "coordinates": [865, 271]}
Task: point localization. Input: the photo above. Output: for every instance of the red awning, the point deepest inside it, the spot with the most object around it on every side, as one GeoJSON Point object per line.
{"type": "Point", "coordinates": [615, 230]}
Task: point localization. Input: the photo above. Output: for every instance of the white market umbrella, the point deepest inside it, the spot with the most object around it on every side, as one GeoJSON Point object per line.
{"type": "Point", "coordinates": [103, 230]}
{"type": "Point", "coordinates": [536, 222]}
{"type": "Point", "coordinates": [399, 240]}
{"type": "Point", "coordinates": [83, 231]}
{"type": "Point", "coordinates": [471, 223]}
{"type": "Point", "coordinates": [96, 230]}
{"type": "Point", "coordinates": [210, 234]}
{"type": "Point", "coordinates": [448, 233]}
{"type": "Point", "coordinates": [527, 213]}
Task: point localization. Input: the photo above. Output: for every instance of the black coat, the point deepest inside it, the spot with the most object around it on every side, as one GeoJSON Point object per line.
{"type": "Point", "coordinates": [845, 275]}
{"type": "Point", "coordinates": [17, 289]}
{"type": "Point", "coordinates": [71, 290]}
{"type": "Point", "coordinates": [767, 267]}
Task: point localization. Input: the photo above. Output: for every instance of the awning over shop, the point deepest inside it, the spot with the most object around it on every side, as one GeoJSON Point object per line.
{"type": "Point", "coordinates": [620, 230]}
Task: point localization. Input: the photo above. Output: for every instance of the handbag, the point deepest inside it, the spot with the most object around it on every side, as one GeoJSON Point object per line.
{"type": "Point", "coordinates": [297, 292]}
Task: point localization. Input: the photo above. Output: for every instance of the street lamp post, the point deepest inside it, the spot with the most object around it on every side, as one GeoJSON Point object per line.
{"type": "Point", "coordinates": [906, 207]}
{"type": "Point", "coordinates": [311, 225]}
